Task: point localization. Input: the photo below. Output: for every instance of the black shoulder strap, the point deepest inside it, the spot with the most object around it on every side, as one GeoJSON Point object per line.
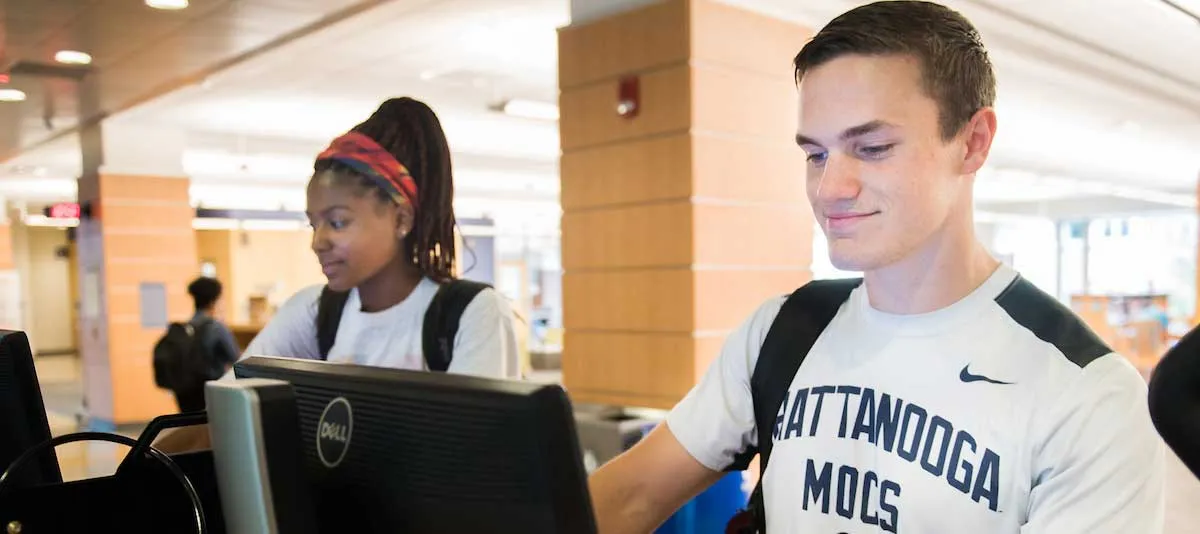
{"type": "Point", "coordinates": [800, 322]}
{"type": "Point", "coordinates": [329, 315]}
{"type": "Point", "coordinates": [441, 321]}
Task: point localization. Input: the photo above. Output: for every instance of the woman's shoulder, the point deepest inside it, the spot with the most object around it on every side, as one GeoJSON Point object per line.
{"type": "Point", "coordinates": [488, 303]}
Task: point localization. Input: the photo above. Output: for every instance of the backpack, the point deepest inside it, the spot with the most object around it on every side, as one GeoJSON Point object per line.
{"type": "Point", "coordinates": [181, 361]}
{"type": "Point", "coordinates": [800, 322]}
{"type": "Point", "coordinates": [437, 333]}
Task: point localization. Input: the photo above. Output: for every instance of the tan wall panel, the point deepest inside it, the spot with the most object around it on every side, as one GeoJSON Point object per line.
{"type": "Point", "coordinates": [124, 214]}
{"type": "Point", "coordinates": [125, 302]}
{"type": "Point", "coordinates": [217, 246]}
{"type": "Point", "coordinates": [657, 300]}
{"type": "Point", "coordinates": [148, 237]}
{"type": "Point", "coordinates": [150, 188]}
{"type": "Point", "coordinates": [727, 100]}
{"type": "Point", "coordinates": [45, 277]}
{"type": "Point", "coordinates": [762, 235]}
{"type": "Point", "coordinates": [712, 147]}
{"type": "Point", "coordinates": [725, 299]}
{"type": "Point", "coordinates": [764, 44]}
{"type": "Point", "coordinates": [741, 169]}
{"type": "Point", "coordinates": [274, 259]}
{"type": "Point", "coordinates": [130, 274]}
{"type": "Point", "coordinates": [589, 115]}
{"type": "Point", "coordinates": [639, 365]}
{"type": "Point", "coordinates": [129, 342]}
{"type": "Point", "coordinates": [6, 248]}
{"type": "Point", "coordinates": [653, 235]}
{"type": "Point", "coordinates": [174, 244]}
{"type": "Point", "coordinates": [653, 169]}
{"type": "Point", "coordinates": [629, 42]}
{"type": "Point", "coordinates": [133, 401]}
{"type": "Point", "coordinates": [708, 348]}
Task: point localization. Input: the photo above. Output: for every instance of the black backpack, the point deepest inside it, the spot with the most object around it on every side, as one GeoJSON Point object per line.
{"type": "Point", "coordinates": [181, 361]}
{"type": "Point", "coordinates": [800, 322]}
{"type": "Point", "coordinates": [437, 334]}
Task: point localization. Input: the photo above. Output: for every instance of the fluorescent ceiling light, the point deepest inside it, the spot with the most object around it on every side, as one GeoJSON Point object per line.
{"type": "Point", "coordinates": [531, 109]}
{"type": "Point", "coordinates": [72, 57]}
{"type": "Point", "coordinates": [167, 4]}
{"type": "Point", "coordinates": [214, 224]}
{"type": "Point", "coordinates": [12, 95]}
{"type": "Point", "coordinates": [49, 222]}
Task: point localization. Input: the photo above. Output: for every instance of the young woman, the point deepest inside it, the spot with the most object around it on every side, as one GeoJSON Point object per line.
{"type": "Point", "coordinates": [380, 206]}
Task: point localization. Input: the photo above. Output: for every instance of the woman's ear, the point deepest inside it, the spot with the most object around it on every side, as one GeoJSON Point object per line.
{"type": "Point", "coordinates": [404, 220]}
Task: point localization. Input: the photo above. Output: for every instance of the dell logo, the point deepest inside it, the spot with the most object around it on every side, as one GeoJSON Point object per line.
{"type": "Point", "coordinates": [334, 431]}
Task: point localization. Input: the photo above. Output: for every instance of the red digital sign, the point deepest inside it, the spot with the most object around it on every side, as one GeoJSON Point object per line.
{"type": "Point", "coordinates": [64, 210]}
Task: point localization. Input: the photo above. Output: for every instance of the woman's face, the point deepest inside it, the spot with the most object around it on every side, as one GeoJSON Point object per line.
{"type": "Point", "coordinates": [355, 232]}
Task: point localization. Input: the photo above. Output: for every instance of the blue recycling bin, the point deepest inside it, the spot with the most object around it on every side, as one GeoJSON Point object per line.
{"type": "Point", "coordinates": [708, 512]}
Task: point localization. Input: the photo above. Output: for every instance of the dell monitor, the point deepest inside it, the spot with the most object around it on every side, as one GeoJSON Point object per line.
{"type": "Point", "coordinates": [23, 423]}
{"type": "Point", "coordinates": [390, 450]}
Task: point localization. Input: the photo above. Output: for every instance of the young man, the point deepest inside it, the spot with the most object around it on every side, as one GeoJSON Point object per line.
{"type": "Point", "coordinates": [219, 344]}
{"type": "Point", "coordinates": [947, 394]}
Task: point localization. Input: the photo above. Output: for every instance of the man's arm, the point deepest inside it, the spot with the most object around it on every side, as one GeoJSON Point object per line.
{"type": "Point", "coordinates": [637, 491]}
{"type": "Point", "coordinates": [1099, 465]}
{"type": "Point", "coordinates": [703, 435]}
{"type": "Point", "coordinates": [228, 347]}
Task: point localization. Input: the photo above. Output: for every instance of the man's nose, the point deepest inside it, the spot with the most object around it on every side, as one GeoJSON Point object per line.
{"type": "Point", "coordinates": [839, 179]}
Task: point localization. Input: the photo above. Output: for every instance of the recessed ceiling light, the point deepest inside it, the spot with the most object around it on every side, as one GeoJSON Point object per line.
{"type": "Point", "coordinates": [72, 57]}
{"type": "Point", "coordinates": [167, 4]}
{"type": "Point", "coordinates": [12, 95]}
{"type": "Point", "coordinates": [530, 109]}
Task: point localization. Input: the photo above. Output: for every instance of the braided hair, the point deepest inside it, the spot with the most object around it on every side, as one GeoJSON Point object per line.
{"type": "Point", "coordinates": [412, 133]}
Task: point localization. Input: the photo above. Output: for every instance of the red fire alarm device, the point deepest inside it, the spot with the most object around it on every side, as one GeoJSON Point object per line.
{"type": "Point", "coordinates": [628, 97]}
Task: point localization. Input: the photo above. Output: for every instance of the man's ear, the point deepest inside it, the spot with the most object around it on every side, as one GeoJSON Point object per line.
{"type": "Point", "coordinates": [978, 134]}
{"type": "Point", "coordinates": [404, 220]}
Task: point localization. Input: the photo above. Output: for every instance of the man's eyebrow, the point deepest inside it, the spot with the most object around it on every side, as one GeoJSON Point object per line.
{"type": "Point", "coordinates": [848, 133]}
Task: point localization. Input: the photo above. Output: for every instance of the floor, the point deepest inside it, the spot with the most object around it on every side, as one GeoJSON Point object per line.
{"type": "Point", "coordinates": [62, 392]}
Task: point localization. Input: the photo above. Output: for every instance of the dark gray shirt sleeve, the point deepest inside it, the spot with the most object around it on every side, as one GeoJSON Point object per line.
{"type": "Point", "coordinates": [222, 344]}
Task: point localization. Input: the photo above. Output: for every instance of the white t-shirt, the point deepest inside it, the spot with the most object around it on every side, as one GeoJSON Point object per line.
{"type": "Point", "coordinates": [1001, 413]}
{"type": "Point", "coordinates": [485, 344]}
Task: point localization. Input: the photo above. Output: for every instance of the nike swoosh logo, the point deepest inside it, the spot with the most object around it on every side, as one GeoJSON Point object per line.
{"type": "Point", "coordinates": [967, 377]}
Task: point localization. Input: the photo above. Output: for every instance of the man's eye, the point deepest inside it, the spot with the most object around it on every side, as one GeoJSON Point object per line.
{"type": "Point", "coordinates": [875, 151]}
{"type": "Point", "coordinates": [817, 158]}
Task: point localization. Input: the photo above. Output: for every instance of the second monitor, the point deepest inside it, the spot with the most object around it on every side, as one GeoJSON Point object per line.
{"type": "Point", "coordinates": [406, 451]}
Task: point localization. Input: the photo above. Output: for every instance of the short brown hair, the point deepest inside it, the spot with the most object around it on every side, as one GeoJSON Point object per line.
{"type": "Point", "coordinates": [955, 69]}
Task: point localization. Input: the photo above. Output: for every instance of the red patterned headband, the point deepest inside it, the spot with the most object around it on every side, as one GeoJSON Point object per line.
{"type": "Point", "coordinates": [365, 156]}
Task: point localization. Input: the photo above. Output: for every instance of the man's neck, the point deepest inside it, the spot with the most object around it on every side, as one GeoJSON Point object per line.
{"type": "Point", "coordinates": [932, 279]}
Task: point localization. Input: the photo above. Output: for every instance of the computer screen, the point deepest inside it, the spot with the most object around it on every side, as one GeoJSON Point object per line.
{"type": "Point", "coordinates": [23, 421]}
{"type": "Point", "coordinates": [406, 451]}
